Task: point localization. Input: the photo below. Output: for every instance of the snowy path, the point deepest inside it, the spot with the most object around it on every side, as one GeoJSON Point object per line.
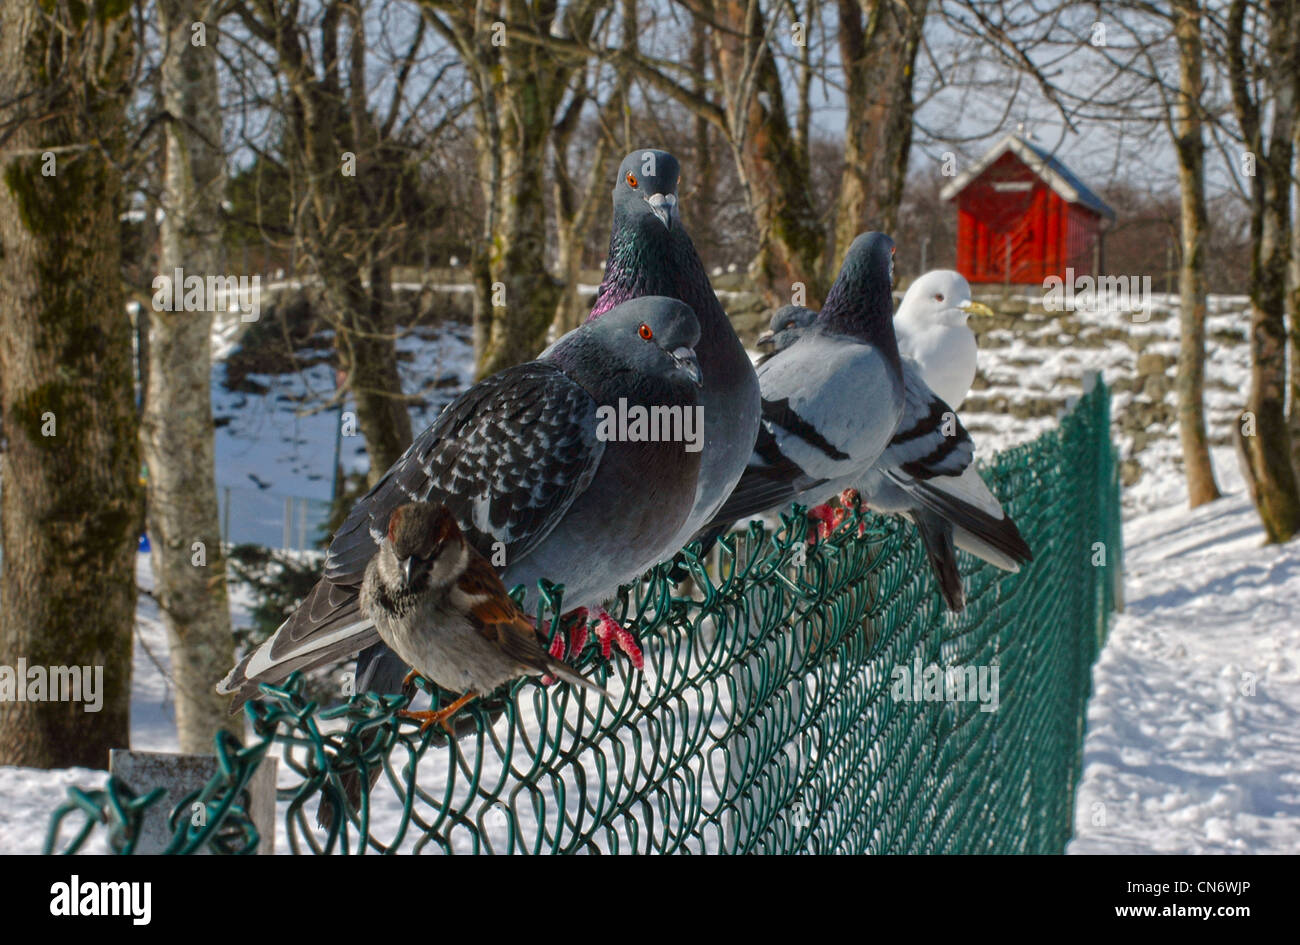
{"type": "Point", "coordinates": [1193, 741]}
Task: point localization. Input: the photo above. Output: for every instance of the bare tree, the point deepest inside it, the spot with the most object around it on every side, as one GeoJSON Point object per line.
{"type": "Point", "coordinates": [1264, 74]}
{"type": "Point", "coordinates": [351, 160]}
{"type": "Point", "coordinates": [578, 198]}
{"type": "Point", "coordinates": [1137, 95]}
{"type": "Point", "coordinates": [1189, 143]}
{"type": "Point", "coordinates": [520, 90]}
{"type": "Point", "coordinates": [72, 501]}
{"type": "Point", "coordinates": [176, 429]}
{"type": "Point", "coordinates": [879, 41]}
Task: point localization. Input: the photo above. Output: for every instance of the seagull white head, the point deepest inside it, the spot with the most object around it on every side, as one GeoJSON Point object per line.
{"type": "Point", "coordinates": [940, 297]}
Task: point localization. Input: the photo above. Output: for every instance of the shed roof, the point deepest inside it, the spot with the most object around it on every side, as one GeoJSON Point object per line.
{"type": "Point", "coordinates": [1055, 174]}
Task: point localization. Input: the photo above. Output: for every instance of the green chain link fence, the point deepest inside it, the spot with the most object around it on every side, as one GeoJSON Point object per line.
{"type": "Point", "coordinates": [772, 714]}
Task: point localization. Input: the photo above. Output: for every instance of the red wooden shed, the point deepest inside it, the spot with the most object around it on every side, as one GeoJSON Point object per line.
{"type": "Point", "coordinates": [1023, 216]}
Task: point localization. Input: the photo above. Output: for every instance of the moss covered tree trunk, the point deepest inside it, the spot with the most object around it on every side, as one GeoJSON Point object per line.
{"type": "Point", "coordinates": [1293, 311]}
{"type": "Point", "coordinates": [176, 432]}
{"type": "Point", "coordinates": [71, 497]}
{"type": "Point", "coordinates": [523, 296]}
{"type": "Point", "coordinates": [1189, 143]}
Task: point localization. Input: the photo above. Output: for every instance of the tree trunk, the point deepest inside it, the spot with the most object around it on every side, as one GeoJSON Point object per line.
{"type": "Point", "coordinates": [71, 500]}
{"type": "Point", "coordinates": [772, 164]}
{"type": "Point", "coordinates": [1190, 146]}
{"type": "Point", "coordinates": [343, 221]}
{"type": "Point", "coordinates": [1293, 311]}
{"type": "Point", "coordinates": [523, 297]}
{"type": "Point", "coordinates": [1269, 450]}
{"type": "Point", "coordinates": [176, 431]}
{"type": "Point", "coordinates": [574, 213]}
{"type": "Point", "coordinates": [368, 353]}
{"type": "Point", "coordinates": [879, 55]}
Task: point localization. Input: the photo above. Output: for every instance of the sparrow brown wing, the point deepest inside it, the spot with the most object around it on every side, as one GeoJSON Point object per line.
{"type": "Point", "coordinates": [495, 615]}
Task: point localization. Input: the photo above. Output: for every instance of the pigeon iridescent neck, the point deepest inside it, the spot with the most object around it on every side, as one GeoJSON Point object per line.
{"type": "Point", "coordinates": [646, 258]}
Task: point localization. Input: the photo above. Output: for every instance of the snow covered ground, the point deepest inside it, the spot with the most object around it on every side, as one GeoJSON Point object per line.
{"type": "Point", "coordinates": [1193, 741]}
{"type": "Point", "coordinates": [279, 445]}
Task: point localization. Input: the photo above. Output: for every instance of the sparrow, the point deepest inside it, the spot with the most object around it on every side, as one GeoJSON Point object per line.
{"type": "Point", "coordinates": [443, 609]}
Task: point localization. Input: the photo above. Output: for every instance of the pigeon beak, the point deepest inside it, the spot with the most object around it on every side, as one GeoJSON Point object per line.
{"type": "Point", "coordinates": [766, 338]}
{"type": "Point", "coordinates": [405, 565]}
{"type": "Point", "coordinates": [971, 307]}
{"type": "Point", "coordinates": [664, 206]}
{"type": "Point", "coordinates": [689, 364]}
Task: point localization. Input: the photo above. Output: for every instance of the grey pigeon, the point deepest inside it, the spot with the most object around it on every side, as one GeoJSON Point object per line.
{"type": "Point", "coordinates": [784, 328]}
{"type": "Point", "coordinates": [650, 253]}
{"type": "Point", "coordinates": [833, 399]}
{"type": "Point", "coordinates": [521, 461]}
{"type": "Point", "coordinates": [931, 483]}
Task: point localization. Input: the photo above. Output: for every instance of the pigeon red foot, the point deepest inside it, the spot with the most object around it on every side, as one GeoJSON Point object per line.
{"type": "Point", "coordinates": [851, 500]}
{"type": "Point", "coordinates": [608, 631]}
{"type": "Point", "coordinates": [829, 518]}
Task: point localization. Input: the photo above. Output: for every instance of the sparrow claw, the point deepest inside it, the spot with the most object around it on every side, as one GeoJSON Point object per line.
{"type": "Point", "coordinates": [428, 719]}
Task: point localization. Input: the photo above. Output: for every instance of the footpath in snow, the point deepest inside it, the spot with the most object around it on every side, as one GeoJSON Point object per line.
{"type": "Point", "coordinates": [1193, 741]}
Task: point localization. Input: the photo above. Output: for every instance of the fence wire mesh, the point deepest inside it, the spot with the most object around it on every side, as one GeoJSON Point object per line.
{"type": "Point", "coordinates": [803, 698]}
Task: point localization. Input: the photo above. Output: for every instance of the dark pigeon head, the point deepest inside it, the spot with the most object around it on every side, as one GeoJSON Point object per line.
{"type": "Point", "coordinates": [653, 336]}
{"type": "Point", "coordinates": [784, 328]}
{"type": "Point", "coordinates": [861, 302]}
{"type": "Point", "coordinates": [647, 185]}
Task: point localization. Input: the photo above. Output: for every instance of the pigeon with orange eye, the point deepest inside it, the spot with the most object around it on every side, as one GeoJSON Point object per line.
{"type": "Point", "coordinates": [683, 357]}
{"type": "Point", "coordinates": [532, 469]}
{"type": "Point", "coordinates": [787, 324]}
{"type": "Point", "coordinates": [657, 187]}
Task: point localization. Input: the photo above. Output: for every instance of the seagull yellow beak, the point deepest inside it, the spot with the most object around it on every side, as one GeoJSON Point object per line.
{"type": "Point", "coordinates": [971, 307]}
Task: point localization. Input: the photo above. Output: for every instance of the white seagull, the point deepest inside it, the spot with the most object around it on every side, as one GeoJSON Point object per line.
{"type": "Point", "coordinates": [932, 331]}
